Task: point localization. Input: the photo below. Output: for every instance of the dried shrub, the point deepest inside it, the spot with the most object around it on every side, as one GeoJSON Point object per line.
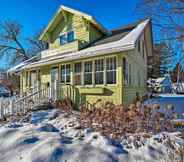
{"type": "Point", "coordinates": [65, 104]}
{"type": "Point", "coordinates": [116, 121]}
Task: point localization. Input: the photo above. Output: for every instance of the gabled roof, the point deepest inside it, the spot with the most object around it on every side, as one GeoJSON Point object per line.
{"type": "Point", "coordinates": [127, 41]}
{"type": "Point", "coordinates": [76, 12]}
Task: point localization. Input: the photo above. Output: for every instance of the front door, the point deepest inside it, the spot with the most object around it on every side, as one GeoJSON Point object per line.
{"type": "Point", "coordinates": [54, 80]}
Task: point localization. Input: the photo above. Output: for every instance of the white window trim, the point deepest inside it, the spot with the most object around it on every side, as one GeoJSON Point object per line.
{"type": "Point", "coordinates": [65, 75]}
{"type": "Point", "coordinates": [93, 72]}
{"type": "Point", "coordinates": [113, 84]}
{"type": "Point", "coordinates": [66, 33]}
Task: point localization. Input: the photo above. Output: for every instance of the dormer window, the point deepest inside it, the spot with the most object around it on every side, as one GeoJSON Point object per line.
{"type": "Point", "coordinates": [67, 37]}
{"type": "Point", "coordinates": [70, 36]}
{"type": "Point", "coordinates": [63, 39]}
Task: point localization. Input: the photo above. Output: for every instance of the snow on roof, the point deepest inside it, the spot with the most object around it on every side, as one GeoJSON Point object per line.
{"type": "Point", "coordinates": [19, 67]}
{"type": "Point", "coordinates": [126, 43]}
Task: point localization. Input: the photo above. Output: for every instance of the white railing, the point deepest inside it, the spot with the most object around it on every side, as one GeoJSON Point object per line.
{"type": "Point", "coordinates": [22, 104]}
{"type": "Point", "coordinates": [10, 106]}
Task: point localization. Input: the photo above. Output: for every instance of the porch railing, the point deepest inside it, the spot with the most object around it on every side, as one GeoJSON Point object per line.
{"type": "Point", "coordinates": [21, 105]}
{"type": "Point", "coordinates": [39, 94]}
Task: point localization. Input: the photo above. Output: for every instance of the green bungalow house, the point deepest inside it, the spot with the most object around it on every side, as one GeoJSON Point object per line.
{"type": "Point", "coordinates": [87, 62]}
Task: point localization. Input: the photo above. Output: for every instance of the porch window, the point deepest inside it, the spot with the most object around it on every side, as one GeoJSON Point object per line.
{"type": "Point", "coordinates": [65, 74]}
{"type": "Point", "coordinates": [99, 71]}
{"type": "Point", "coordinates": [88, 73]}
{"type": "Point", "coordinates": [77, 73]}
{"type": "Point", "coordinates": [111, 70]}
{"type": "Point", "coordinates": [125, 71]}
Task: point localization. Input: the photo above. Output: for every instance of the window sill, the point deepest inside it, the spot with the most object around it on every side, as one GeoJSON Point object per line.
{"type": "Point", "coordinates": [92, 90]}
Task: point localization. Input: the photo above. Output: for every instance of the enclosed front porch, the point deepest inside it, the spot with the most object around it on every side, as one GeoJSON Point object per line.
{"type": "Point", "coordinates": [93, 80]}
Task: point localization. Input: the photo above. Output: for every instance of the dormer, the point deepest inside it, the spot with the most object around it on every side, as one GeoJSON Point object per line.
{"type": "Point", "coordinates": [69, 31]}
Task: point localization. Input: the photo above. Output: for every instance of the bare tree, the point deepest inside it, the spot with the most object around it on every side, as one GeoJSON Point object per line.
{"type": "Point", "coordinates": [12, 44]}
{"type": "Point", "coordinates": [36, 45]}
{"type": "Point", "coordinates": [167, 16]}
{"type": "Point", "coordinates": [168, 25]}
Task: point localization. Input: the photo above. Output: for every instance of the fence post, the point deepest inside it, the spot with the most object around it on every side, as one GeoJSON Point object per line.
{"type": "Point", "coordinates": [11, 107]}
{"type": "Point", "coordinates": [1, 110]}
{"type": "Point", "coordinates": [55, 90]}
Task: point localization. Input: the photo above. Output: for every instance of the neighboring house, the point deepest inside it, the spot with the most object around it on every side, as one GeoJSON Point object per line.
{"type": "Point", "coordinates": [89, 62]}
{"type": "Point", "coordinates": [161, 85]}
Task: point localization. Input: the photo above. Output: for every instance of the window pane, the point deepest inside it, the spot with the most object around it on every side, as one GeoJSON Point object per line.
{"type": "Point", "coordinates": [111, 70]}
{"type": "Point", "coordinates": [88, 78]}
{"type": "Point", "coordinates": [111, 77]}
{"type": "Point", "coordinates": [67, 78]}
{"type": "Point", "coordinates": [88, 66]}
{"type": "Point", "coordinates": [70, 36]}
{"type": "Point", "coordinates": [63, 39]}
{"type": "Point", "coordinates": [99, 69]}
{"type": "Point", "coordinates": [65, 73]}
{"type": "Point", "coordinates": [111, 63]}
{"type": "Point", "coordinates": [78, 68]}
{"type": "Point", "coordinates": [68, 69]}
{"type": "Point", "coordinates": [88, 72]}
{"type": "Point", "coordinates": [62, 78]}
{"type": "Point", "coordinates": [99, 78]}
{"type": "Point", "coordinates": [99, 65]}
{"type": "Point", "coordinates": [77, 74]}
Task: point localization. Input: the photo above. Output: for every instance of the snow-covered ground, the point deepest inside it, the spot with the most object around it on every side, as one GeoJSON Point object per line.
{"type": "Point", "coordinates": [169, 99]}
{"type": "Point", "coordinates": [55, 136]}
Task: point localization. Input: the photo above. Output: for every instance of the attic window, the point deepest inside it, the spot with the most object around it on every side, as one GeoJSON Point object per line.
{"type": "Point", "coordinates": [67, 37]}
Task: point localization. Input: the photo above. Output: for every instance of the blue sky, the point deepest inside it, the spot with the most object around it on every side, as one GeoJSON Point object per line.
{"type": "Point", "coordinates": [34, 15]}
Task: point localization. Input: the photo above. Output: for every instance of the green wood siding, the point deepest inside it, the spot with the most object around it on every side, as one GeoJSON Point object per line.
{"type": "Point", "coordinates": [94, 34]}
{"type": "Point", "coordinates": [75, 23]}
